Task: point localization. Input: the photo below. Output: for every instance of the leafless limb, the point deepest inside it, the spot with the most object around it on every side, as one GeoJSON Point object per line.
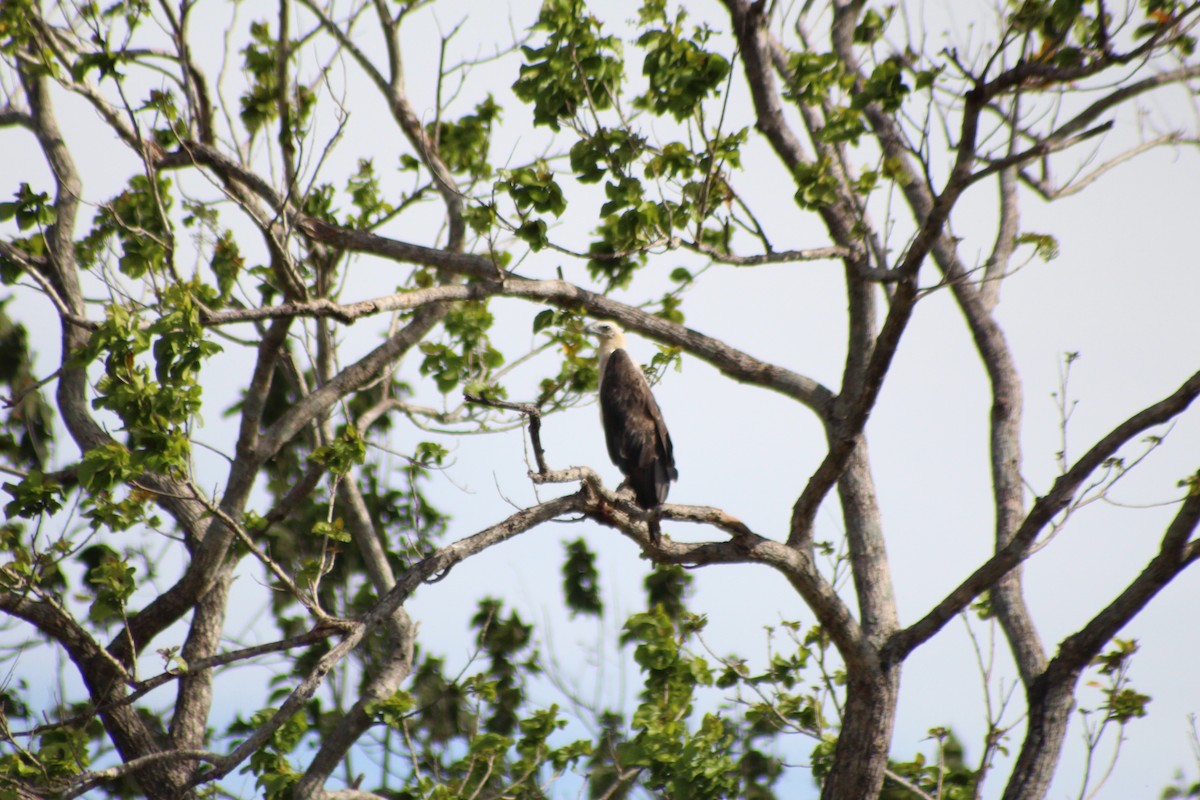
{"type": "Point", "coordinates": [532, 413]}
{"type": "Point", "coordinates": [1043, 510]}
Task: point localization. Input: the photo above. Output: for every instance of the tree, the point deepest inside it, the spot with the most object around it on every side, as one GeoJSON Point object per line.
{"type": "Point", "coordinates": [342, 293]}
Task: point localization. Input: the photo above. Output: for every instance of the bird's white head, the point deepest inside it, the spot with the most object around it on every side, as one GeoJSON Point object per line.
{"type": "Point", "coordinates": [611, 338]}
{"type": "Point", "coordinates": [607, 331]}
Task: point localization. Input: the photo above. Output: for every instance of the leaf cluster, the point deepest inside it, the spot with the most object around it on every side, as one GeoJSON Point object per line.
{"type": "Point", "coordinates": [575, 68]}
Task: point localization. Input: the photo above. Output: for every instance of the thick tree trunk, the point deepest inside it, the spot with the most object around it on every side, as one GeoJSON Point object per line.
{"type": "Point", "coordinates": [860, 759]}
{"type": "Point", "coordinates": [133, 739]}
{"type": "Point", "coordinates": [1050, 699]}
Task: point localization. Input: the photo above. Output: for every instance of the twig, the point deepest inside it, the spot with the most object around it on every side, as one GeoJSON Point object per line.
{"type": "Point", "coordinates": [531, 412]}
{"type": "Point", "coordinates": [310, 603]}
{"type": "Point", "coordinates": [150, 684]}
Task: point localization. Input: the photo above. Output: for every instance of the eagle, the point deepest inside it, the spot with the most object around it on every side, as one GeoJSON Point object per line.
{"type": "Point", "coordinates": [637, 438]}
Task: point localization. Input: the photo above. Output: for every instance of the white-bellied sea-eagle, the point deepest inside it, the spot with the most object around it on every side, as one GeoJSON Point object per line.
{"type": "Point", "coordinates": [637, 437]}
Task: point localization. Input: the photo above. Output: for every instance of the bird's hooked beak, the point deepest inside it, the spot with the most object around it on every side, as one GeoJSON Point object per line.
{"type": "Point", "coordinates": [606, 332]}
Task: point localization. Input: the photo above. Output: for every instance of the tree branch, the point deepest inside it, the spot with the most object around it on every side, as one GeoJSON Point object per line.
{"type": "Point", "coordinates": [1050, 696]}
{"type": "Point", "coordinates": [85, 782]}
{"type": "Point", "coordinates": [1060, 494]}
{"type": "Point", "coordinates": [533, 416]}
{"type": "Point", "coordinates": [353, 377]}
{"type": "Point", "coordinates": [437, 563]}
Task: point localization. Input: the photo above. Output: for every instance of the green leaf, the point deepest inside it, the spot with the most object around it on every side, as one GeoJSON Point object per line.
{"type": "Point", "coordinates": [335, 530]}
{"type": "Point", "coordinates": [926, 78]}
{"type": "Point", "coordinates": [573, 67]}
{"type": "Point", "coordinates": [544, 319]}
{"type": "Point", "coordinates": [885, 86]}
{"type": "Point", "coordinates": [668, 586]}
{"type": "Point", "coordinates": [1045, 245]}
{"type": "Point", "coordinates": [490, 745]}
{"type": "Point", "coordinates": [33, 496]}
{"type": "Point", "coordinates": [607, 149]}
{"type": "Point", "coordinates": [1116, 658]}
{"type": "Point", "coordinates": [481, 217]}
{"type": "Point", "coordinates": [843, 125]}
{"type": "Point", "coordinates": [104, 467]}
{"type": "Point", "coordinates": [227, 263]}
{"type": "Point", "coordinates": [1124, 705]}
{"type": "Point", "coordinates": [136, 219]}
{"type": "Point", "coordinates": [894, 170]}
{"type": "Point", "coordinates": [681, 73]}
{"type": "Point", "coordinates": [111, 580]}
{"type": "Point", "coordinates": [343, 453]}
{"type": "Point", "coordinates": [870, 26]}
{"type": "Point", "coordinates": [813, 75]}
{"type": "Point", "coordinates": [623, 193]}
{"type": "Point", "coordinates": [104, 62]}
{"type": "Point", "coordinates": [366, 196]}
{"type": "Point", "coordinates": [533, 188]}
{"type": "Point", "coordinates": [816, 186]}
{"type": "Point", "coordinates": [533, 233]}
{"type": "Point", "coordinates": [430, 453]}
{"type": "Point", "coordinates": [29, 209]}
{"type": "Point", "coordinates": [581, 580]}
{"type": "Point", "coordinates": [463, 144]}
{"type": "Point", "coordinates": [681, 275]}
{"type": "Point", "coordinates": [675, 160]}
{"type": "Point", "coordinates": [259, 104]}
{"type": "Point", "coordinates": [394, 710]}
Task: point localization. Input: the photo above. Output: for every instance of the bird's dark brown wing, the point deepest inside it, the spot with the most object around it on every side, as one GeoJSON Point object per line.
{"type": "Point", "coordinates": [637, 437]}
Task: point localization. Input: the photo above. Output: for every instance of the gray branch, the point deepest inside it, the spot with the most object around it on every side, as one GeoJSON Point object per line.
{"type": "Point", "coordinates": [1046, 507]}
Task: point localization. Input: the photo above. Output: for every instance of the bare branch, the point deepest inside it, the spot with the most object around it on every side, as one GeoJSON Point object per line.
{"type": "Point", "coordinates": [1051, 697]}
{"type": "Point", "coordinates": [439, 562]}
{"type": "Point", "coordinates": [351, 378]}
{"type": "Point", "coordinates": [1050, 192]}
{"type": "Point", "coordinates": [142, 688]}
{"type": "Point", "coordinates": [1006, 240]}
{"type": "Point", "coordinates": [1076, 651]}
{"type": "Point", "coordinates": [1054, 143]}
{"type": "Point", "coordinates": [85, 782]}
{"type": "Point", "coordinates": [771, 257]}
{"type": "Point", "coordinates": [532, 412]}
{"type": "Point", "coordinates": [1060, 494]}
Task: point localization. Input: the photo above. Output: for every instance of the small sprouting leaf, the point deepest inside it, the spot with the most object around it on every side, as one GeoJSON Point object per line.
{"type": "Point", "coordinates": [343, 453]}
{"type": "Point", "coordinates": [1126, 704]}
{"type": "Point", "coordinates": [681, 275]}
{"type": "Point", "coordinates": [394, 710]}
{"type": "Point", "coordinates": [335, 530]}
{"type": "Point", "coordinates": [1045, 245]}
{"type": "Point", "coordinates": [1116, 658]}
{"type": "Point", "coordinates": [430, 453]}
{"type": "Point", "coordinates": [173, 663]}
{"type": "Point", "coordinates": [926, 78]}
